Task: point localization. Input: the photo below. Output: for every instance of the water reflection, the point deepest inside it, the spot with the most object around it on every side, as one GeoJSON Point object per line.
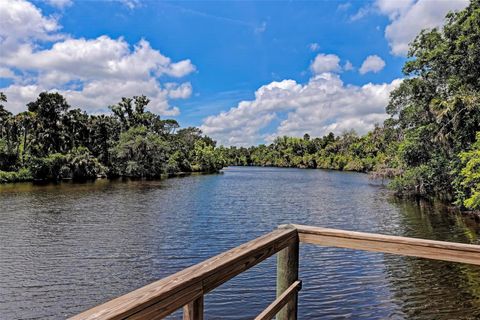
{"type": "Point", "coordinates": [440, 290]}
{"type": "Point", "coordinates": [68, 247]}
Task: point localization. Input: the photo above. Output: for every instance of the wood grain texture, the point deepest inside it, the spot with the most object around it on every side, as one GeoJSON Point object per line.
{"type": "Point", "coordinates": [287, 274]}
{"type": "Point", "coordinates": [431, 249]}
{"type": "Point", "coordinates": [280, 302]}
{"type": "Point", "coordinates": [163, 297]}
{"type": "Point", "coordinates": [193, 310]}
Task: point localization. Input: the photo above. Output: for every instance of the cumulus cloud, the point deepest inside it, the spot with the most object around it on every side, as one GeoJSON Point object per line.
{"type": "Point", "coordinates": [373, 64]}
{"type": "Point", "coordinates": [102, 57]}
{"type": "Point", "coordinates": [325, 63]}
{"type": "Point", "coordinates": [21, 22]}
{"type": "Point", "coordinates": [409, 17]}
{"type": "Point", "coordinates": [7, 73]}
{"type": "Point", "coordinates": [322, 105]}
{"type": "Point", "coordinates": [91, 73]}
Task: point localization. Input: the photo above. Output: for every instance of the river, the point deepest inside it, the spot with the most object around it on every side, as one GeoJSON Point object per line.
{"type": "Point", "coordinates": [68, 247]}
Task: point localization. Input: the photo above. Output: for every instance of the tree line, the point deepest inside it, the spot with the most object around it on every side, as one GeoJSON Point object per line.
{"type": "Point", "coordinates": [52, 141]}
{"type": "Point", "coordinates": [430, 143]}
{"type": "Point", "coordinates": [347, 151]}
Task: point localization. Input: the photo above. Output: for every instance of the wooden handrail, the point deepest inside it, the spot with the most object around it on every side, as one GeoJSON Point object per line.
{"type": "Point", "coordinates": [280, 302]}
{"type": "Point", "coordinates": [161, 298]}
{"type": "Point", "coordinates": [187, 287]}
{"type": "Point", "coordinates": [422, 248]}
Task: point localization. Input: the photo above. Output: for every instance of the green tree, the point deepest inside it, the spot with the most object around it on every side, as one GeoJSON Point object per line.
{"type": "Point", "coordinates": [49, 110]}
{"type": "Point", "coordinates": [468, 181]}
{"type": "Point", "coordinates": [80, 164]}
{"type": "Point", "coordinates": [436, 108]}
{"type": "Point", "coordinates": [140, 153]}
{"type": "Point", "coordinates": [206, 158]}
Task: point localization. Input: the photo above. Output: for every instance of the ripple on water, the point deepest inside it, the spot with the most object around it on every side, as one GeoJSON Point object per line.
{"type": "Point", "coordinates": [68, 247]}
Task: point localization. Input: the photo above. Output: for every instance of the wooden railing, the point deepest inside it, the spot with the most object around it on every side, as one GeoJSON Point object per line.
{"type": "Point", "coordinates": [187, 287]}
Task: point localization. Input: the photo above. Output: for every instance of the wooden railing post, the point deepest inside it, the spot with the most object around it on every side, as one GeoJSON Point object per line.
{"type": "Point", "coordinates": [287, 274]}
{"type": "Point", "coordinates": [194, 310]}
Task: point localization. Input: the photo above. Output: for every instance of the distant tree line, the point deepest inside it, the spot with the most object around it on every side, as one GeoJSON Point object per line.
{"type": "Point", "coordinates": [347, 151]}
{"type": "Point", "coordinates": [430, 144]}
{"type": "Point", "coordinates": [52, 141]}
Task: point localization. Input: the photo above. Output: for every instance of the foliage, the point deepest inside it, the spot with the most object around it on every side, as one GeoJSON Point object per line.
{"type": "Point", "coordinates": [140, 153]}
{"type": "Point", "coordinates": [345, 152]}
{"type": "Point", "coordinates": [15, 176]}
{"type": "Point", "coordinates": [436, 109]}
{"type": "Point", "coordinates": [80, 164]}
{"type": "Point", "coordinates": [52, 141]}
{"type": "Point", "coordinates": [206, 158]}
{"type": "Point", "coordinates": [469, 179]}
{"type": "Point", "coordinates": [49, 167]}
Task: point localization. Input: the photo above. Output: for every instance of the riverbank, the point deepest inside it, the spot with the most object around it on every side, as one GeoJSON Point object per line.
{"type": "Point", "coordinates": [24, 175]}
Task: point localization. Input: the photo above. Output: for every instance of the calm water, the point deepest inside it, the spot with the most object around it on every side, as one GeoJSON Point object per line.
{"type": "Point", "coordinates": [68, 247]}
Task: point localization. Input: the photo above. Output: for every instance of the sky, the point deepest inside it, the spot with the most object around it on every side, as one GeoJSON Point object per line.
{"type": "Point", "coordinates": [243, 71]}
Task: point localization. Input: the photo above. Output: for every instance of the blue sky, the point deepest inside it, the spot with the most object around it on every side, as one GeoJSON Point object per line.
{"type": "Point", "coordinates": [230, 50]}
{"type": "Point", "coordinates": [237, 47]}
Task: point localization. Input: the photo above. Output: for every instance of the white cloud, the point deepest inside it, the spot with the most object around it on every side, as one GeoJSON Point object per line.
{"type": "Point", "coordinates": [409, 17]}
{"type": "Point", "coordinates": [181, 91]}
{"type": "Point", "coordinates": [17, 95]}
{"type": "Point", "coordinates": [102, 57]}
{"type": "Point", "coordinates": [348, 66]}
{"type": "Point", "coordinates": [325, 63]}
{"type": "Point", "coordinates": [7, 73]}
{"type": "Point", "coordinates": [362, 12]}
{"type": "Point", "coordinates": [322, 105]}
{"type": "Point", "coordinates": [61, 4]}
{"type": "Point", "coordinates": [373, 64]}
{"type": "Point", "coordinates": [314, 46]}
{"type": "Point", "coordinates": [91, 73]}
{"type": "Point", "coordinates": [99, 94]}
{"type": "Point", "coordinates": [21, 22]}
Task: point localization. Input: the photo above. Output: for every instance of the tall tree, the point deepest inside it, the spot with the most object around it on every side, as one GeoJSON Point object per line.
{"type": "Point", "coordinates": [49, 110]}
{"type": "Point", "coordinates": [437, 106]}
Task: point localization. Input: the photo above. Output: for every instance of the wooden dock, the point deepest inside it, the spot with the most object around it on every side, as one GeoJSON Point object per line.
{"type": "Point", "coordinates": [186, 289]}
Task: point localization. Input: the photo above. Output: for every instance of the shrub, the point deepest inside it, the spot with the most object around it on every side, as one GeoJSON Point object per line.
{"type": "Point", "coordinates": [21, 175]}
{"type": "Point", "coordinates": [47, 168]}
{"type": "Point", "coordinates": [82, 165]}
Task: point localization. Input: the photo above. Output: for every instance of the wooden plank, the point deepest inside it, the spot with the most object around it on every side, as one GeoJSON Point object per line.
{"type": "Point", "coordinates": [168, 294]}
{"type": "Point", "coordinates": [287, 274]}
{"type": "Point", "coordinates": [174, 302]}
{"type": "Point", "coordinates": [431, 249]}
{"type": "Point", "coordinates": [194, 310]}
{"type": "Point", "coordinates": [280, 301]}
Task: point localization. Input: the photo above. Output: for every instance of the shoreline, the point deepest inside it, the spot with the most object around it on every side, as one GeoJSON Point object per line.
{"type": "Point", "coordinates": [70, 180]}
